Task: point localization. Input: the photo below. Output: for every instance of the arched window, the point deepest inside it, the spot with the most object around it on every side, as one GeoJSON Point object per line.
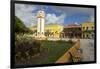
{"type": "Point", "coordinates": [87, 28]}
{"type": "Point", "coordinates": [83, 28]}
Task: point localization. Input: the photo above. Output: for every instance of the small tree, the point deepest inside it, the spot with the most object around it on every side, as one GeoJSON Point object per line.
{"type": "Point", "coordinates": [47, 33]}
{"type": "Point", "coordinates": [20, 26]}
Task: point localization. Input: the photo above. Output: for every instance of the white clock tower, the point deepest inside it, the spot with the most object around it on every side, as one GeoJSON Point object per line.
{"type": "Point", "coordinates": [40, 23]}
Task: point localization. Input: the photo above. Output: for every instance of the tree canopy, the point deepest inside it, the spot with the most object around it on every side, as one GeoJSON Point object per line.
{"type": "Point", "coordinates": [20, 26]}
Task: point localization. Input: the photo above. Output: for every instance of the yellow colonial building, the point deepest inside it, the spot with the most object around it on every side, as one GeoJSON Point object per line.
{"type": "Point", "coordinates": [87, 30]}
{"type": "Point", "coordinates": [51, 30]}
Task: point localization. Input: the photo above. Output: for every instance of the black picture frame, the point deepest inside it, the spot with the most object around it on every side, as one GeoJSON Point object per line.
{"type": "Point", "coordinates": [44, 3]}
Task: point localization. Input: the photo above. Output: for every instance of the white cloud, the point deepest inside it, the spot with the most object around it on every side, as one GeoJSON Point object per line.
{"type": "Point", "coordinates": [52, 19]}
{"type": "Point", "coordinates": [24, 12]}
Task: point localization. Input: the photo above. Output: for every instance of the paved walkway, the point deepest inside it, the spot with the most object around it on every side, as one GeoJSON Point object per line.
{"type": "Point", "coordinates": [87, 46]}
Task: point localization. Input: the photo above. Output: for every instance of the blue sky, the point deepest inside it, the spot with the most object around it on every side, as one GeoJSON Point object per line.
{"type": "Point", "coordinates": [54, 14]}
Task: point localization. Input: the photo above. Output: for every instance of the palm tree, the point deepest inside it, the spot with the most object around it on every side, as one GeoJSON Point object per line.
{"type": "Point", "coordinates": [47, 33]}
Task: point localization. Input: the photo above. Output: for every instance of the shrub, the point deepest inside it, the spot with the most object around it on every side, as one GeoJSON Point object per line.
{"type": "Point", "coordinates": [70, 41]}
{"type": "Point", "coordinates": [25, 47]}
{"type": "Point", "coordinates": [61, 41]}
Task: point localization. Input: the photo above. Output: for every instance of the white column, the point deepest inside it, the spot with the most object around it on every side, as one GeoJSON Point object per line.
{"type": "Point", "coordinates": [38, 26]}
{"type": "Point", "coordinates": [42, 25]}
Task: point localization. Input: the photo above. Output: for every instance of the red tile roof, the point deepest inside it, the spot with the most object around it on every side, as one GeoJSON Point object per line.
{"type": "Point", "coordinates": [71, 25]}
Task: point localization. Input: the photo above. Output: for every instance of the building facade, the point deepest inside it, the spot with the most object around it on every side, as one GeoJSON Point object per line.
{"type": "Point", "coordinates": [87, 30]}
{"type": "Point", "coordinates": [51, 30]}
{"type": "Point", "coordinates": [72, 31]}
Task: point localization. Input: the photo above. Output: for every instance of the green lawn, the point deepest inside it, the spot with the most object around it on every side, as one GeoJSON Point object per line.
{"type": "Point", "coordinates": [55, 50]}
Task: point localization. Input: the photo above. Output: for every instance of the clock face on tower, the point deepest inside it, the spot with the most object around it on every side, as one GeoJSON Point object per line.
{"type": "Point", "coordinates": [41, 14]}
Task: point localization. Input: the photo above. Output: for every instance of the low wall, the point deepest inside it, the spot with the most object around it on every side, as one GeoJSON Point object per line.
{"type": "Point", "coordinates": [72, 55]}
{"type": "Point", "coordinates": [65, 39]}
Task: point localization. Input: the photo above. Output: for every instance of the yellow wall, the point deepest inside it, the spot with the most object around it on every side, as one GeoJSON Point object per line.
{"type": "Point", "coordinates": [56, 29]}
{"type": "Point", "coordinates": [87, 24]}
{"type": "Point", "coordinates": [84, 26]}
